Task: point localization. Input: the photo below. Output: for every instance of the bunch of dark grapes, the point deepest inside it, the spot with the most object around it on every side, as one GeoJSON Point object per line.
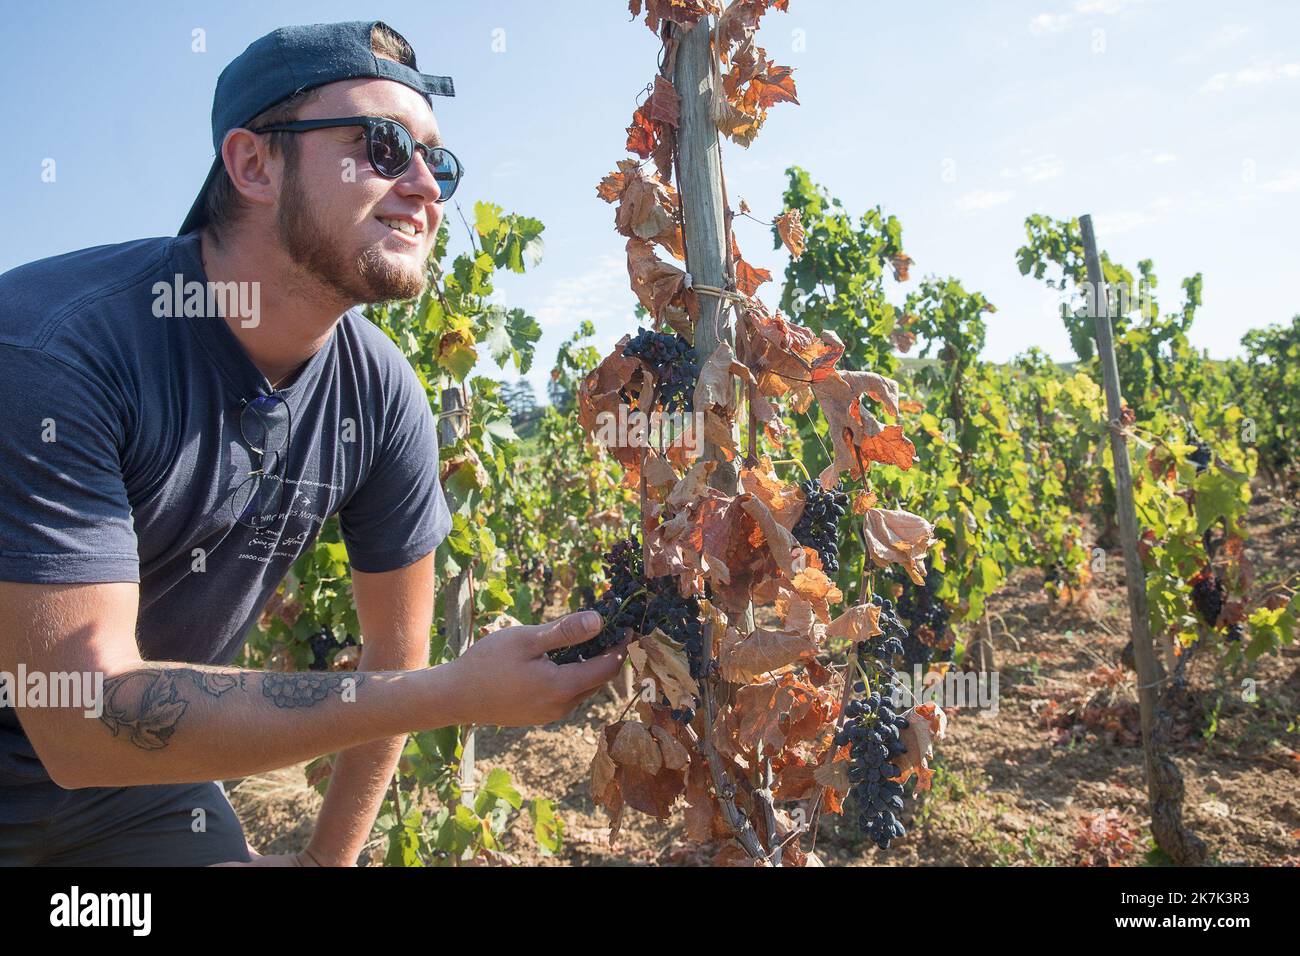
{"type": "Point", "coordinates": [1207, 595]}
{"type": "Point", "coordinates": [927, 621]}
{"type": "Point", "coordinates": [1200, 456]}
{"type": "Point", "coordinates": [673, 362]}
{"type": "Point", "coordinates": [872, 732]}
{"type": "Point", "coordinates": [635, 603]}
{"type": "Point", "coordinates": [884, 647]}
{"type": "Point", "coordinates": [620, 607]}
{"type": "Point", "coordinates": [818, 526]}
{"type": "Point", "coordinates": [322, 644]}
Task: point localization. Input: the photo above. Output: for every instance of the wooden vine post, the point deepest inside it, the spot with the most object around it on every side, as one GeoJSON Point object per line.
{"type": "Point", "coordinates": [458, 597]}
{"type": "Point", "coordinates": [706, 233]}
{"type": "Point", "coordinates": [704, 228]}
{"type": "Point", "coordinates": [1164, 781]}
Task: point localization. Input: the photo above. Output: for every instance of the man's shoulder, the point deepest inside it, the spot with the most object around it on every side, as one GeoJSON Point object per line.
{"type": "Point", "coordinates": [38, 298]}
{"type": "Point", "coordinates": [376, 353]}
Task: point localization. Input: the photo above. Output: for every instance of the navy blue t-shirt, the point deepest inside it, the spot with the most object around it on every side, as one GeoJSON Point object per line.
{"type": "Point", "coordinates": [121, 450]}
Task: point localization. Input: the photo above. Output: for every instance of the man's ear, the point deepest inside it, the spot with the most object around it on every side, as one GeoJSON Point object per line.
{"type": "Point", "coordinates": [253, 171]}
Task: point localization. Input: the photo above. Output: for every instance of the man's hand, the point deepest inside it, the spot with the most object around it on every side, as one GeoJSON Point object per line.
{"type": "Point", "coordinates": [301, 858]}
{"type": "Point", "coordinates": [506, 679]}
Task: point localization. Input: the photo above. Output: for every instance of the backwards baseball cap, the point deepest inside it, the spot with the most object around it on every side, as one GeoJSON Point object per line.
{"type": "Point", "coordinates": [291, 60]}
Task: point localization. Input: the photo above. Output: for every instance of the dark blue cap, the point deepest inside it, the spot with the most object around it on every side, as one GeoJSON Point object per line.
{"type": "Point", "coordinates": [293, 59]}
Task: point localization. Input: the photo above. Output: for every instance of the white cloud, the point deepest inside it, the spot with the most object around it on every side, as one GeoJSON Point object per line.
{"type": "Point", "coordinates": [981, 199]}
{"type": "Point", "coordinates": [1146, 156]}
{"type": "Point", "coordinates": [1113, 224]}
{"type": "Point", "coordinates": [600, 294]}
{"type": "Point", "coordinates": [1106, 7]}
{"type": "Point", "coordinates": [1047, 23]}
{"type": "Point", "coordinates": [1037, 169]}
{"type": "Point", "coordinates": [1287, 182]}
{"type": "Point", "coordinates": [1255, 75]}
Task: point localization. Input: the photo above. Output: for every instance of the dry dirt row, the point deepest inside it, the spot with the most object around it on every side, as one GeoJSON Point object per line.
{"type": "Point", "coordinates": [1053, 778]}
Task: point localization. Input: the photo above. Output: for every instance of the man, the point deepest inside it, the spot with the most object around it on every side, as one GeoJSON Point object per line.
{"type": "Point", "coordinates": [163, 463]}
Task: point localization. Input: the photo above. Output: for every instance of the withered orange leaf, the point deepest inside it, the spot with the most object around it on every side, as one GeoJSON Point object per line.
{"type": "Point", "coordinates": [785, 550]}
{"type": "Point", "coordinates": [852, 428]}
{"type": "Point", "coordinates": [790, 351]}
{"type": "Point", "coordinates": [704, 820]}
{"type": "Point", "coordinates": [834, 773]}
{"type": "Point", "coordinates": [692, 485]}
{"type": "Point", "coordinates": [890, 447]}
{"type": "Point", "coordinates": [903, 339]}
{"type": "Point", "coordinates": [635, 747]}
{"type": "Point", "coordinates": [775, 713]}
{"type": "Point", "coordinates": [898, 537]}
{"type": "Point", "coordinates": [640, 134]}
{"type": "Point", "coordinates": [783, 499]}
{"type": "Point", "coordinates": [774, 85]}
{"type": "Point", "coordinates": [605, 791]}
{"type": "Point", "coordinates": [656, 283]}
{"type": "Point", "coordinates": [720, 430]}
{"type": "Point", "coordinates": [863, 502]}
{"type": "Point", "coordinates": [926, 723]}
{"type": "Point", "coordinates": [685, 12]}
{"type": "Point", "coordinates": [857, 623]}
{"type": "Point", "coordinates": [789, 226]}
{"type": "Point", "coordinates": [748, 278]}
{"type": "Point", "coordinates": [901, 263]}
{"type": "Point", "coordinates": [760, 651]}
{"type": "Point", "coordinates": [647, 208]}
{"type": "Point", "coordinates": [657, 657]}
{"type": "Point", "coordinates": [659, 474]}
{"type": "Point", "coordinates": [715, 385]}
{"type": "Point", "coordinates": [814, 586]}
{"type": "Point", "coordinates": [664, 105]}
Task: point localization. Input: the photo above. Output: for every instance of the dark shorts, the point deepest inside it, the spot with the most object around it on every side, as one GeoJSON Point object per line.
{"type": "Point", "coordinates": [162, 825]}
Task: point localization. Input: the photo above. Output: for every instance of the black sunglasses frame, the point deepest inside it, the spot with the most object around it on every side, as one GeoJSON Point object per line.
{"type": "Point", "coordinates": [371, 124]}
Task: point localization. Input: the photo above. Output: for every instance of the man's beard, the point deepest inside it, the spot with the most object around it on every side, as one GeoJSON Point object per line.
{"type": "Point", "coordinates": [364, 276]}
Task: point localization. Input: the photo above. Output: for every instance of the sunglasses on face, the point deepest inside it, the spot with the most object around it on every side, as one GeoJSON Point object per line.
{"type": "Point", "coordinates": [390, 147]}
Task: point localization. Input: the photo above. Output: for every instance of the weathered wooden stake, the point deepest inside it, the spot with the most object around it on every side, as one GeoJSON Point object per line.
{"type": "Point", "coordinates": [458, 597]}
{"type": "Point", "coordinates": [704, 228]}
{"type": "Point", "coordinates": [1164, 781]}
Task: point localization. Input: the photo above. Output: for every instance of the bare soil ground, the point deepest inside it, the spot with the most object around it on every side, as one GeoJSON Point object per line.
{"type": "Point", "coordinates": [1054, 777]}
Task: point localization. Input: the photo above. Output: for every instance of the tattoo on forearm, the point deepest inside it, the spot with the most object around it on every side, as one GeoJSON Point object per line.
{"type": "Point", "coordinates": [147, 705]}
{"type": "Point", "coordinates": [306, 690]}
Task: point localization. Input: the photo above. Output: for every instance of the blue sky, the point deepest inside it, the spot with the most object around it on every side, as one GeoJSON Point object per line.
{"type": "Point", "coordinates": [1175, 123]}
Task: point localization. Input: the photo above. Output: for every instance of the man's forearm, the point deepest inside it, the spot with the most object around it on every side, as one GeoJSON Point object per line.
{"type": "Point", "coordinates": [362, 774]}
{"type": "Point", "coordinates": [182, 723]}
{"type": "Point", "coordinates": [356, 791]}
